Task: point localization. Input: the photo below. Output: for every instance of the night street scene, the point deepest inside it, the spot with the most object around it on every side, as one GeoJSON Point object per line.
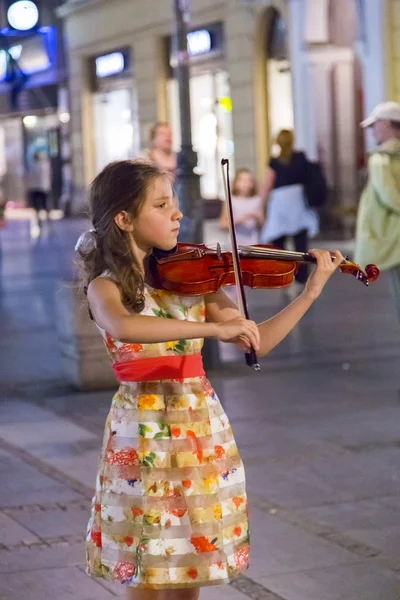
{"type": "Point", "coordinates": [136, 462]}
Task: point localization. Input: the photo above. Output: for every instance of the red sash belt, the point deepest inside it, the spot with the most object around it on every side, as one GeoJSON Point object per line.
{"type": "Point", "coordinates": [160, 367]}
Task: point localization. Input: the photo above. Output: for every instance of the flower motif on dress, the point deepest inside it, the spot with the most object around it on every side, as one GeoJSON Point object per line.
{"type": "Point", "coordinates": [208, 390]}
{"type": "Point", "coordinates": [148, 458]}
{"type": "Point", "coordinates": [131, 348]}
{"type": "Point", "coordinates": [159, 312]}
{"type": "Point", "coordinates": [152, 517]}
{"type": "Point", "coordinates": [192, 573]}
{"type": "Point", "coordinates": [178, 346]}
{"type": "Point", "coordinates": [175, 431]}
{"type": "Point", "coordinates": [202, 544]}
{"type": "Point", "coordinates": [150, 402]}
{"type": "Point", "coordinates": [136, 511]}
{"type": "Point", "coordinates": [242, 557]}
{"type": "Point", "coordinates": [110, 345]}
{"type": "Point", "coordinates": [123, 458]}
{"type": "Point", "coordinates": [219, 452]}
{"type": "Point", "coordinates": [237, 501]}
{"type": "Point", "coordinates": [95, 536]}
{"type": "Point", "coordinates": [174, 493]}
{"type": "Point", "coordinates": [124, 570]}
{"type": "Point", "coordinates": [217, 512]}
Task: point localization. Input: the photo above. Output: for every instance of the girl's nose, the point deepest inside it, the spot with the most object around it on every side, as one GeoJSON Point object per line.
{"type": "Point", "coordinates": [178, 215]}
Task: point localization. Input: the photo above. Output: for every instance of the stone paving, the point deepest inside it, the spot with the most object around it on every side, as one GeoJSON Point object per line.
{"type": "Point", "coordinates": [318, 430]}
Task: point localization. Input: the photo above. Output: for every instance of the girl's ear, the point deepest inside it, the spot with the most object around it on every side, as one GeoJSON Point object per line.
{"type": "Point", "coordinates": [124, 221]}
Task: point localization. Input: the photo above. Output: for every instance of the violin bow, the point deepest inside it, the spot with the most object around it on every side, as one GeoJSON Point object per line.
{"type": "Point", "coordinates": [251, 356]}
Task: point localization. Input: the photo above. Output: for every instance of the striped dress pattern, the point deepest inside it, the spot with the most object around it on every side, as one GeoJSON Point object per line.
{"type": "Point", "coordinates": [170, 505]}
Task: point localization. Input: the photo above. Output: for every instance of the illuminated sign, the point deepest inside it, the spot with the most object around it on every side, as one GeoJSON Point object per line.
{"type": "Point", "coordinates": [199, 42]}
{"type": "Point", "coordinates": [31, 54]}
{"type": "Point", "coordinates": [203, 44]}
{"type": "Point", "coordinates": [23, 15]}
{"type": "Point", "coordinates": [110, 64]}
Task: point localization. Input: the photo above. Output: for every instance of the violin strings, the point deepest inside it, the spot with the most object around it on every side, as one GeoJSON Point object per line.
{"type": "Point", "coordinates": [278, 254]}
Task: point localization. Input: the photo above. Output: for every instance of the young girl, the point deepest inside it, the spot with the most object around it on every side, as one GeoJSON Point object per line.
{"type": "Point", "coordinates": [170, 511]}
{"type": "Point", "coordinates": [247, 209]}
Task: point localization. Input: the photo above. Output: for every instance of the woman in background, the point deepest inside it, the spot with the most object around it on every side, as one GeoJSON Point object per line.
{"type": "Point", "coordinates": [288, 215]}
{"type": "Point", "coordinates": [160, 150]}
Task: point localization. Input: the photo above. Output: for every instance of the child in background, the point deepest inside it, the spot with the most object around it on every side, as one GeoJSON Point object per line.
{"type": "Point", "coordinates": [247, 209]}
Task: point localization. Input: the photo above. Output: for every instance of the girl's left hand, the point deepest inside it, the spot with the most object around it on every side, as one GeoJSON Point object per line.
{"type": "Point", "coordinates": [327, 263]}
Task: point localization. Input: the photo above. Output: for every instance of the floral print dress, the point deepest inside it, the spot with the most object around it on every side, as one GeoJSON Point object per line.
{"type": "Point", "coordinates": [170, 507]}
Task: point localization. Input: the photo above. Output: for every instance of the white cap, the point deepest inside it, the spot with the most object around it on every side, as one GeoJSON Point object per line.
{"type": "Point", "coordinates": [386, 111]}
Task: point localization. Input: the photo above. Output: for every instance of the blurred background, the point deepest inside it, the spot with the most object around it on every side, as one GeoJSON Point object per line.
{"type": "Point", "coordinates": [82, 83]}
{"type": "Point", "coordinates": [87, 82]}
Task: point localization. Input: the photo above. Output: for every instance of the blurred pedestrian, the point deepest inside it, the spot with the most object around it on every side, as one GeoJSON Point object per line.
{"type": "Point", "coordinates": [169, 514]}
{"type": "Point", "coordinates": [287, 212]}
{"type": "Point", "coordinates": [247, 209]}
{"type": "Point", "coordinates": [160, 149]}
{"type": "Point", "coordinates": [378, 221]}
{"type": "Point", "coordinates": [38, 182]}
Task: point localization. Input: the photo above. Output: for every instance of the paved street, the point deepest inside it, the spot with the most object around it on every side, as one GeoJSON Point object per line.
{"type": "Point", "coordinates": [318, 430]}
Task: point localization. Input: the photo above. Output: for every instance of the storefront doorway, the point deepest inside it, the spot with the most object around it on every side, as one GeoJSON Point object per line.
{"type": "Point", "coordinates": [20, 138]}
{"type": "Point", "coordinates": [116, 130]}
{"type": "Point", "coordinates": [211, 108]}
{"type": "Point", "coordinates": [115, 135]}
{"type": "Point", "coordinates": [212, 133]}
{"type": "Point", "coordinates": [278, 75]}
{"type": "Point", "coordinates": [273, 86]}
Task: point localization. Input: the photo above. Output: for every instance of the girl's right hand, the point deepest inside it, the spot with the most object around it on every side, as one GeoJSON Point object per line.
{"type": "Point", "coordinates": [239, 330]}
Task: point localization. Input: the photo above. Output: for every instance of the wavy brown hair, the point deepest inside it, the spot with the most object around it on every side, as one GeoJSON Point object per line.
{"type": "Point", "coordinates": [121, 186]}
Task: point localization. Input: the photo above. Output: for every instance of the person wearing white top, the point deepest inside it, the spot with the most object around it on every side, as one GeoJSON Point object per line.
{"type": "Point", "coordinates": [247, 209]}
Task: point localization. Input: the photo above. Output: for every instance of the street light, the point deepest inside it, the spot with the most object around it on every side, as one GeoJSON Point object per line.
{"type": "Point", "coordinates": [187, 181]}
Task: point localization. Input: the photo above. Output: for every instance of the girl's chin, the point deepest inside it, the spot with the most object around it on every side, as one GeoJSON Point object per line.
{"type": "Point", "coordinates": [166, 247]}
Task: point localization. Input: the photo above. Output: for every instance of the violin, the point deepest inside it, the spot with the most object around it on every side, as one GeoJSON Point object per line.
{"type": "Point", "coordinates": [196, 269]}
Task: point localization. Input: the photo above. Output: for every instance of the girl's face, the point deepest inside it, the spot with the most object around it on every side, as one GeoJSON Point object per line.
{"type": "Point", "coordinates": [157, 224]}
{"type": "Point", "coordinates": [245, 184]}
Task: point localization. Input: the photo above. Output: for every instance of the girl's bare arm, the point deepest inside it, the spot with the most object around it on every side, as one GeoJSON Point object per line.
{"type": "Point", "coordinates": [274, 330]}
{"type": "Point", "coordinates": [110, 314]}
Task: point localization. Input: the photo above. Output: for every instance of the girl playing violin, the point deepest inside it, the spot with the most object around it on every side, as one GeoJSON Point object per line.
{"type": "Point", "coordinates": [169, 513]}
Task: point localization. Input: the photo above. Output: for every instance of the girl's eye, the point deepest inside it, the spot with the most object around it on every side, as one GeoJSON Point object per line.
{"type": "Point", "coordinates": [162, 205]}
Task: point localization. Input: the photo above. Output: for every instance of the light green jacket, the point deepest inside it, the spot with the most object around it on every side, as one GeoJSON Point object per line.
{"type": "Point", "coordinates": [378, 221]}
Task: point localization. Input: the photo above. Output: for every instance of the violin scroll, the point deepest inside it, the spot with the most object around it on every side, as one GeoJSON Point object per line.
{"type": "Point", "coordinates": [371, 272]}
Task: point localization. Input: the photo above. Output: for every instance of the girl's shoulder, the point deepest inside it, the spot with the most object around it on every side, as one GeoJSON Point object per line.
{"type": "Point", "coordinates": [104, 277]}
{"type": "Point", "coordinates": [107, 274]}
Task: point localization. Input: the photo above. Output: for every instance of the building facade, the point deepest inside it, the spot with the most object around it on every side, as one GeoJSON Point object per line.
{"type": "Point", "coordinates": [257, 66]}
{"type": "Point", "coordinates": [33, 96]}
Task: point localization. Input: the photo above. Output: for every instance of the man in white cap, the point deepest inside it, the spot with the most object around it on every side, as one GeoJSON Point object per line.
{"type": "Point", "coordinates": [378, 222]}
